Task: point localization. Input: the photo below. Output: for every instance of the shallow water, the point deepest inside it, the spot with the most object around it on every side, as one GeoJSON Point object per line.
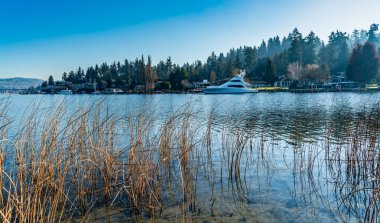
{"type": "Point", "coordinates": [287, 170]}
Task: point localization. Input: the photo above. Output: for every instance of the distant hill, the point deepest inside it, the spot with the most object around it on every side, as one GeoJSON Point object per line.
{"type": "Point", "coordinates": [19, 83]}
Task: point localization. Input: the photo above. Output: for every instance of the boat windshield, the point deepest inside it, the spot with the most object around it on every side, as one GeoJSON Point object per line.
{"type": "Point", "coordinates": [236, 86]}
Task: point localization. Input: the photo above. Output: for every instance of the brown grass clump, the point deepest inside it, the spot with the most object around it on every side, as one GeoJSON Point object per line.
{"type": "Point", "coordinates": [65, 163]}
{"type": "Point", "coordinates": [60, 165]}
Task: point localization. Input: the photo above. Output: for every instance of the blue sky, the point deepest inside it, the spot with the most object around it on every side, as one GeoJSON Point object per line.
{"type": "Point", "coordinates": [39, 38]}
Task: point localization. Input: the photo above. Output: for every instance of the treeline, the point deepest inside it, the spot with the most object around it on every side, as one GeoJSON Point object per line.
{"type": "Point", "coordinates": [293, 57]}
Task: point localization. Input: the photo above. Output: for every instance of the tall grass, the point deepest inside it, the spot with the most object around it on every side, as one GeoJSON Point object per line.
{"type": "Point", "coordinates": [64, 163]}
{"type": "Point", "coordinates": [355, 166]}
{"type": "Point", "coordinates": [60, 165]}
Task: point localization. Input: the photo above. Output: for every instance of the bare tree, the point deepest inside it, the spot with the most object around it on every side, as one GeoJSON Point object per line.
{"type": "Point", "coordinates": [150, 75]}
{"type": "Point", "coordinates": [213, 76]}
{"type": "Point", "coordinates": [295, 70]}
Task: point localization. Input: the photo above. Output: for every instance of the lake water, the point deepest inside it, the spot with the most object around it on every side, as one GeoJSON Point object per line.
{"type": "Point", "coordinates": [293, 167]}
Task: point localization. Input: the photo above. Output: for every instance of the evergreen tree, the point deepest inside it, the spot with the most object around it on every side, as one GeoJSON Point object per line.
{"type": "Point", "coordinates": [277, 45]}
{"type": "Point", "coordinates": [269, 74]}
{"type": "Point", "coordinates": [105, 76]}
{"type": "Point", "coordinates": [250, 55]}
{"type": "Point", "coordinates": [197, 76]}
{"type": "Point", "coordinates": [335, 54]}
{"type": "Point", "coordinates": [259, 69]}
{"type": "Point", "coordinates": [89, 77]}
{"type": "Point", "coordinates": [285, 43]}
{"type": "Point", "coordinates": [127, 77]}
{"type": "Point", "coordinates": [51, 80]}
{"type": "Point", "coordinates": [229, 68]}
{"type": "Point", "coordinates": [372, 36]}
{"type": "Point", "coordinates": [323, 55]}
{"type": "Point", "coordinates": [211, 62]}
{"type": "Point", "coordinates": [296, 47]}
{"type": "Point", "coordinates": [169, 68]}
{"type": "Point", "coordinates": [177, 77]}
{"type": "Point", "coordinates": [356, 38]}
{"type": "Point", "coordinates": [238, 64]}
{"type": "Point", "coordinates": [221, 64]}
{"type": "Point", "coordinates": [96, 73]}
{"type": "Point", "coordinates": [364, 63]}
{"type": "Point", "coordinates": [140, 71]}
{"type": "Point", "coordinates": [64, 76]}
{"type": "Point", "coordinates": [270, 47]}
{"type": "Point", "coordinates": [114, 76]}
{"type": "Point", "coordinates": [78, 76]}
{"type": "Point", "coordinates": [343, 57]}
{"type": "Point", "coordinates": [161, 70]}
{"type": "Point", "coordinates": [262, 50]}
{"type": "Point", "coordinates": [44, 84]}
{"type": "Point", "coordinates": [309, 51]}
{"type": "Point", "coordinates": [71, 77]}
{"type": "Point", "coordinates": [281, 63]}
{"type": "Point", "coordinates": [274, 46]}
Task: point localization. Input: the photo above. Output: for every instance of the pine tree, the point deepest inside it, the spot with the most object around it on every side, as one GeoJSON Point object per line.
{"type": "Point", "coordinates": [270, 48]}
{"type": "Point", "coordinates": [71, 77]}
{"type": "Point", "coordinates": [262, 50]}
{"type": "Point", "coordinates": [221, 67]}
{"type": "Point", "coordinates": [285, 43]}
{"type": "Point", "coordinates": [364, 63]}
{"type": "Point", "coordinates": [44, 84]}
{"type": "Point", "coordinates": [372, 36]}
{"type": "Point", "coordinates": [274, 46]}
{"type": "Point", "coordinates": [238, 64]}
{"type": "Point", "coordinates": [296, 47]}
{"type": "Point", "coordinates": [51, 80]}
{"type": "Point", "coordinates": [211, 62]}
{"type": "Point", "coordinates": [114, 75]}
{"type": "Point", "coordinates": [64, 76]}
{"type": "Point", "coordinates": [229, 68]}
{"type": "Point", "coordinates": [269, 74]}
{"type": "Point", "coordinates": [309, 51]}
{"type": "Point", "coordinates": [277, 45]}
{"type": "Point", "coordinates": [281, 63]}
{"type": "Point", "coordinates": [105, 76]}
{"type": "Point", "coordinates": [259, 69]}
{"type": "Point", "coordinates": [141, 71]}
{"type": "Point", "coordinates": [250, 57]}
{"type": "Point", "coordinates": [337, 52]}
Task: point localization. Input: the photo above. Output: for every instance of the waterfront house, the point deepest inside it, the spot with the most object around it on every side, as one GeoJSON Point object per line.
{"type": "Point", "coordinates": [340, 82]}
{"type": "Point", "coordinates": [285, 82]}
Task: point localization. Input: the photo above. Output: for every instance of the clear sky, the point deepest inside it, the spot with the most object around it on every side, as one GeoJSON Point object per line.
{"type": "Point", "coordinates": [39, 38]}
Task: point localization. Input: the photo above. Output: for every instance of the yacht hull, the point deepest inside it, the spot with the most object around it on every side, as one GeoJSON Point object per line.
{"type": "Point", "coordinates": [219, 90]}
{"type": "Point", "coordinates": [66, 92]}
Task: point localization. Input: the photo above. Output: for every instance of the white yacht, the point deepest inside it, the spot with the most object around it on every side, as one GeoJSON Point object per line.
{"type": "Point", "coordinates": [67, 91]}
{"type": "Point", "coordinates": [236, 85]}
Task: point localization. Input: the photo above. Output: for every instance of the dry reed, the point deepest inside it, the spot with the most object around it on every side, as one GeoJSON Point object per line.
{"type": "Point", "coordinates": [60, 164]}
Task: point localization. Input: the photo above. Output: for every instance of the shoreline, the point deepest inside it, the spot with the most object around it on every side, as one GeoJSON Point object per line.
{"type": "Point", "coordinates": [199, 91]}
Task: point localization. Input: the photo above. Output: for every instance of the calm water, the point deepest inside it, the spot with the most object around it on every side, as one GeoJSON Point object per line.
{"type": "Point", "coordinates": [287, 175]}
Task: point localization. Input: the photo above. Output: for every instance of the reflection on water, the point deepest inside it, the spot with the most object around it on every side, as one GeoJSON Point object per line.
{"type": "Point", "coordinates": [269, 157]}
